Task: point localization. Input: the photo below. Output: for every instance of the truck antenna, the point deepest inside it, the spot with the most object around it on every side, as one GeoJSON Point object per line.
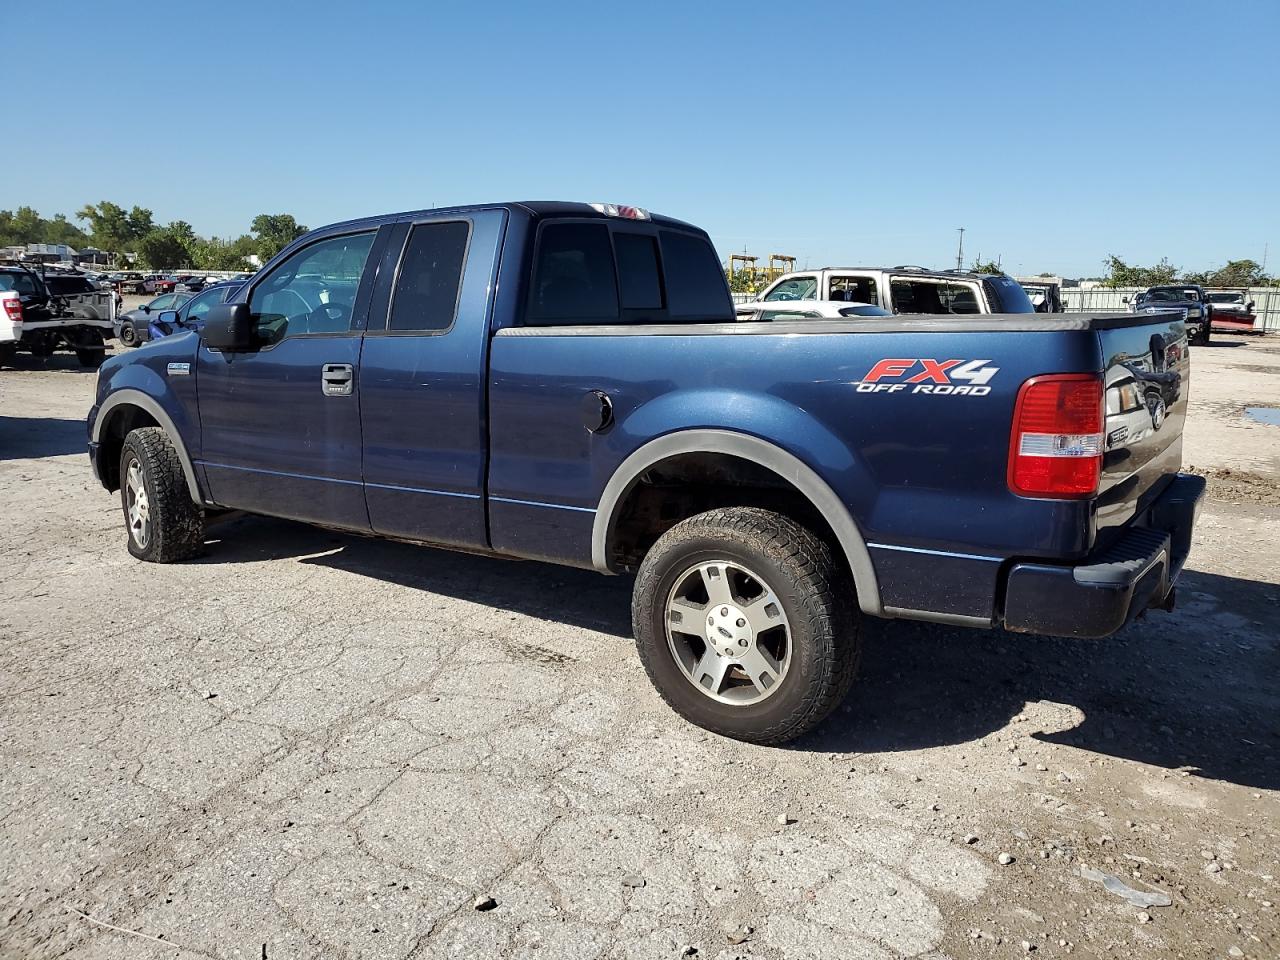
{"type": "Point", "coordinates": [960, 250]}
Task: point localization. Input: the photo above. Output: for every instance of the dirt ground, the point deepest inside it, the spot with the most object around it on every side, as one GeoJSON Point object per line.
{"type": "Point", "coordinates": [312, 745]}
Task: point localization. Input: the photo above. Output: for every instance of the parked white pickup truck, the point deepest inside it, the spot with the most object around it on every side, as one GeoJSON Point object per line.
{"type": "Point", "coordinates": [79, 320]}
{"type": "Point", "coordinates": [904, 289]}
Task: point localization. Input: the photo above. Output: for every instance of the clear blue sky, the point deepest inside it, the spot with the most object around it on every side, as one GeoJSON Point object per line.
{"type": "Point", "coordinates": [1055, 133]}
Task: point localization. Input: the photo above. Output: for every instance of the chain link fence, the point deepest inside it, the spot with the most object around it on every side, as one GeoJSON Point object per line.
{"type": "Point", "coordinates": [1266, 302]}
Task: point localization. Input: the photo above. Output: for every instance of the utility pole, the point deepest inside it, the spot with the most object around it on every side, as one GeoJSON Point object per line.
{"type": "Point", "coordinates": [960, 251]}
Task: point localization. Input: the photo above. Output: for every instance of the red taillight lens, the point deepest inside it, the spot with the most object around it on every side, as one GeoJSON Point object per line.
{"type": "Point", "coordinates": [1056, 446]}
{"type": "Point", "coordinates": [13, 309]}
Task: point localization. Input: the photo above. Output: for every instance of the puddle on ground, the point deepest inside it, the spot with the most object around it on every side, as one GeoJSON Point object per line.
{"type": "Point", "coordinates": [1269, 415]}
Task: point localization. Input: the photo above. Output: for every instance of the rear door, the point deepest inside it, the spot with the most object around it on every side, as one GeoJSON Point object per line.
{"type": "Point", "coordinates": [422, 397]}
{"type": "Point", "coordinates": [280, 424]}
{"type": "Point", "coordinates": [915, 294]}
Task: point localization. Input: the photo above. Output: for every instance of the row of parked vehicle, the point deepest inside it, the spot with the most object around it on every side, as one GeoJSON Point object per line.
{"type": "Point", "coordinates": [133, 282]}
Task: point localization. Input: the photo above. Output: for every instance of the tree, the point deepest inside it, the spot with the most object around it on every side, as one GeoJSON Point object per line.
{"type": "Point", "coordinates": [989, 266]}
{"type": "Point", "coordinates": [113, 228]}
{"type": "Point", "coordinates": [62, 230]}
{"type": "Point", "coordinates": [162, 248]}
{"type": "Point", "coordinates": [273, 232]}
{"type": "Point", "coordinates": [1238, 273]}
{"type": "Point", "coordinates": [214, 253]}
{"type": "Point", "coordinates": [1122, 274]}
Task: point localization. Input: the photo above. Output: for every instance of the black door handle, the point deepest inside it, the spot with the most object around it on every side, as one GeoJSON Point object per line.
{"type": "Point", "coordinates": [336, 379]}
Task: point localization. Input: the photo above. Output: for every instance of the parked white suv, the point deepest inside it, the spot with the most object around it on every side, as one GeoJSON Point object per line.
{"type": "Point", "coordinates": [904, 289]}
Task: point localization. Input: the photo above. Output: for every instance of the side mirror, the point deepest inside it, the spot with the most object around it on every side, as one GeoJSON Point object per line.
{"type": "Point", "coordinates": [1124, 299]}
{"type": "Point", "coordinates": [227, 327]}
{"type": "Point", "coordinates": [1250, 305]}
{"type": "Point", "coordinates": [167, 316]}
{"type": "Point", "coordinates": [146, 308]}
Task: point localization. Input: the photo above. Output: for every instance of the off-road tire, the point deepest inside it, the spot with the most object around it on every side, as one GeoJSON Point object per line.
{"type": "Point", "coordinates": [815, 591]}
{"type": "Point", "coordinates": [176, 523]}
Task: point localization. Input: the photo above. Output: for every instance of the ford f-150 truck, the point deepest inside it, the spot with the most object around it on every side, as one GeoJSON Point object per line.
{"type": "Point", "coordinates": [568, 383]}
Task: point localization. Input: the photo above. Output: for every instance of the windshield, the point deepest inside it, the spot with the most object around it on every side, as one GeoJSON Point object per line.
{"type": "Point", "coordinates": [1169, 295]}
{"type": "Point", "coordinates": [1226, 298]}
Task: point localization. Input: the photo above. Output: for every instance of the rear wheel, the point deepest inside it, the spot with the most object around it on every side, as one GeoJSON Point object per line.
{"type": "Point", "coordinates": [89, 347]}
{"type": "Point", "coordinates": [128, 334]}
{"type": "Point", "coordinates": [745, 625]}
{"type": "Point", "coordinates": [163, 523]}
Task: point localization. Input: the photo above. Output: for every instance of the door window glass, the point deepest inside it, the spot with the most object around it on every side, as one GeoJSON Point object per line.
{"type": "Point", "coordinates": [925, 296]}
{"type": "Point", "coordinates": [314, 291]}
{"type": "Point", "coordinates": [797, 288]}
{"type": "Point", "coordinates": [426, 295]}
{"type": "Point", "coordinates": [854, 290]}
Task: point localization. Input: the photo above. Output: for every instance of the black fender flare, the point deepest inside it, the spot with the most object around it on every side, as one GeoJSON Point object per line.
{"type": "Point", "coordinates": [136, 398]}
{"type": "Point", "coordinates": [767, 455]}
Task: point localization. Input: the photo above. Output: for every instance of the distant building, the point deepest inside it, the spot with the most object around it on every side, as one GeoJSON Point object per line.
{"type": "Point", "coordinates": [50, 252]}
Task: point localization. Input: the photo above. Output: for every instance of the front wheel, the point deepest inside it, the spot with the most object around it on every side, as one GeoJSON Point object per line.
{"type": "Point", "coordinates": [128, 334]}
{"type": "Point", "coordinates": [745, 625]}
{"type": "Point", "coordinates": [163, 523]}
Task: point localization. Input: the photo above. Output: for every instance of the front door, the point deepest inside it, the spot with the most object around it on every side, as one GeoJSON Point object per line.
{"type": "Point", "coordinates": [422, 388]}
{"type": "Point", "coordinates": [280, 423]}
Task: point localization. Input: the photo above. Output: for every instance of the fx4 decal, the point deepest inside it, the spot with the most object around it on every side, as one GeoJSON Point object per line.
{"type": "Point", "coordinates": [938, 377]}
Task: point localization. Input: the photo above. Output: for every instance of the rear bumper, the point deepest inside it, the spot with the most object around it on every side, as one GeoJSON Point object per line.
{"type": "Point", "coordinates": [1098, 597]}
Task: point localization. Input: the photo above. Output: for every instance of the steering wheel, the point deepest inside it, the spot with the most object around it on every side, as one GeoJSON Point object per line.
{"type": "Point", "coordinates": [334, 310]}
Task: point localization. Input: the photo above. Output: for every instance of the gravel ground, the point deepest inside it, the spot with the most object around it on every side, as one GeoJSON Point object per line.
{"type": "Point", "coordinates": [309, 745]}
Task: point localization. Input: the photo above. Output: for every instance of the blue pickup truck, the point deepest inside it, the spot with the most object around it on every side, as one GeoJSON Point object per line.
{"type": "Point", "coordinates": [569, 383]}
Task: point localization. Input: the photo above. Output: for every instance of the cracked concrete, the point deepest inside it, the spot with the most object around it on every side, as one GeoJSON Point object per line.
{"type": "Point", "coordinates": [321, 746]}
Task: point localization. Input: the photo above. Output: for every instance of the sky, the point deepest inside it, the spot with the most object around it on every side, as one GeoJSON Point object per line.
{"type": "Point", "coordinates": [1055, 133]}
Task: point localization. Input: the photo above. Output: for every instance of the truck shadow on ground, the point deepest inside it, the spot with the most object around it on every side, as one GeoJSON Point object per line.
{"type": "Point", "coordinates": [1191, 690]}
{"type": "Point", "coordinates": [33, 437]}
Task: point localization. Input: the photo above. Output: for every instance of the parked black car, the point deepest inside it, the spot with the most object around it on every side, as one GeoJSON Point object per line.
{"type": "Point", "coordinates": [1190, 297]}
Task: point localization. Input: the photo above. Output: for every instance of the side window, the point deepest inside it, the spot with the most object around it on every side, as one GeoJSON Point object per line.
{"type": "Point", "coordinates": [573, 276]}
{"type": "Point", "coordinates": [797, 288]}
{"type": "Point", "coordinates": [163, 303]}
{"type": "Point", "coordinates": [855, 290]}
{"type": "Point", "coordinates": [959, 298]}
{"type": "Point", "coordinates": [915, 296]}
{"type": "Point", "coordinates": [638, 271]}
{"type": "Point", "coordinates": [313, 291]}
{"type": "Point", "coordinates": [426, 293]}
{"type": "Point", "coordinates": [696, 288]}
{"type": "Point", "coordinates": [201, 304]}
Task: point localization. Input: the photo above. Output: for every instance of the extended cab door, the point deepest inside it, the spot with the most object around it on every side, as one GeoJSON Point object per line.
{"type": "Point", "coordinates": [280, 423]}
{"type": "Point", "coordinates": [422, 379]}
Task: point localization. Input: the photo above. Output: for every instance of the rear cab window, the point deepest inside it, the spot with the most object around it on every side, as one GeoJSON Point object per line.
{"type": "Point", "coordinates": [627, 272]}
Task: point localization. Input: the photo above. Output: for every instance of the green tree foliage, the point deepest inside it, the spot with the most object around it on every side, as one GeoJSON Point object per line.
{"type": "Point", "coordinates": [1122, 274]}
{"type": "Point", "coordinates": [1237, 273]}
{"type": "Point", "coordinates": [988, 266]}
{"type": "Point", "coordinates": [25, 225]}
{"type": "Point", "coordinates": [162, 249]}
{"type": "Point", "coordinates": [214, 253]}
{"type": "Point", "coordinates": [113, 228]}
{"type": "Point", "coordinates": [273, 232]}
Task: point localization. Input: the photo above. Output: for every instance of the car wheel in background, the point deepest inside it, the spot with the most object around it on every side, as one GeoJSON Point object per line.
{"type": "Point", "coordinates": [162, 522]}
{"type": "Point", "coordinates": [746, 624]}
{"type": "Point", "coordinates": [90, 349]}
{"type": "Point", "coordinates": [128, 334]}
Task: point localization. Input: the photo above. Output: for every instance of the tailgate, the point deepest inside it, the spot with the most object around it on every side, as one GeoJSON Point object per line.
{"type": "Point", "coordinates": [1148, 376]}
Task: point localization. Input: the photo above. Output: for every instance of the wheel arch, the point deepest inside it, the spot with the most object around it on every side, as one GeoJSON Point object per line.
{"type": "Point", "coordinates": [121, 410]}
{"type": "Point", "coordinates": [785, 466]}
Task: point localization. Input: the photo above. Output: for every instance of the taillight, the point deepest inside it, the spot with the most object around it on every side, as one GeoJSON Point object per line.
{"type": "Point", "coordinates": [13, 309]}
{"type": "Point", "coordinates": [1056, 446]}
